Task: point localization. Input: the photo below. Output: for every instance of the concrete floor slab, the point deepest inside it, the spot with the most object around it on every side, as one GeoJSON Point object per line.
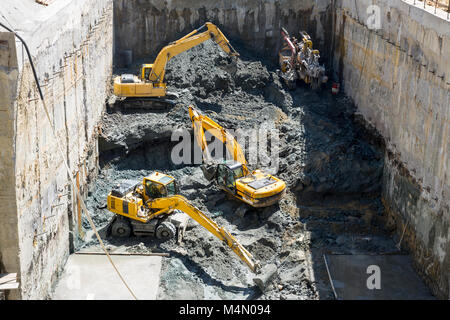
{"type": "Point", "coordinates": [375, 277]}
{"type": "Point", "coordinates": [92, 277]}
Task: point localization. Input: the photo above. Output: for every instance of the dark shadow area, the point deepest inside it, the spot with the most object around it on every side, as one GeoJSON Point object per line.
{"type": "Point", "coordinates": [339, 191]}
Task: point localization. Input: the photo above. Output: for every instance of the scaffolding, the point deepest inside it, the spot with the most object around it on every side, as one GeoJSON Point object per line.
{"type": "Point", "coordinates": [437, 4]}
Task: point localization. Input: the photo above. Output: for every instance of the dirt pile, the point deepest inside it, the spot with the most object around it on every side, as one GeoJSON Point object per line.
{"type": "Point", "coordinates": [333, 174]}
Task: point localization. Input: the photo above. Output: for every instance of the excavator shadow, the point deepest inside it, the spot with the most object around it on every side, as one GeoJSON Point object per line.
{"type": "Point", "coordinates": [154, 245]}
{"type": "Point", "coordinates": [250, 292]}
{"type": "Point", "coordinates": [144, 245]}
{"type": "Point", "coordinates": [243, 216]}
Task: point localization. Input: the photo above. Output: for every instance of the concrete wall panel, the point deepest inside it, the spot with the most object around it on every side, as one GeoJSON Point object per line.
{"type": "Point", "coordinates": [145, 26]}
{"type": "Point", "coordinates": [9, 244]}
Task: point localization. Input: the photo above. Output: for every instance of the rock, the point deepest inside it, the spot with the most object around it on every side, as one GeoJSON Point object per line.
{"type": "Point", "coordinates": [340, 240]}
{"type": "Point", "coordinates": [293, 274]}
{"type": "Point", "coordinates": [267, 273]}
{"type": "Point", "coordinates": [299, 187]}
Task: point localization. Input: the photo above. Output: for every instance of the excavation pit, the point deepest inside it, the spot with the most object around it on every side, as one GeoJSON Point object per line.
{"type": "Point", "coordinates": [331, 166]}
{"type": "Point", "coordinates": [349, 190]}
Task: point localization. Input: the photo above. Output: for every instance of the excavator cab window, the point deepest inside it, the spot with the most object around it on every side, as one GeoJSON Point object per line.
{"type": "Point", "coordinates": [231, 180]}
{"type": "Point", "coordinates": [154, 190]}
{"type": "Point", "coordinates": [147, 72]}
{"type": "Point", "coordinates": [171, 189]}
{"type": "Point", "coordinates": [226, 177]}
{"type": "Point", "coordinates": [238, 172]}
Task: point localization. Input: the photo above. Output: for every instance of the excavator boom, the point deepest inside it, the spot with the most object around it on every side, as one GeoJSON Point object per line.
{"type": "Point", "coordinates": [202, 123]}
{"type": "Point", "coordinates": [181, 203]}
{"type": "Point", "coordinates": [189, 41]}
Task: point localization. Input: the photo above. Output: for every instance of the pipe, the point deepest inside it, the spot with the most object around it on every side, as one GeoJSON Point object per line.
{"type": "Point", "coordinates": [29, 55]}
{"type": "Point", "coordinates": [158, 254]}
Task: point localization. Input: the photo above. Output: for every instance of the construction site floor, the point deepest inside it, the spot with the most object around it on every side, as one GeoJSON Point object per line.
{"type": "Point", "coordinates": [92, 277]}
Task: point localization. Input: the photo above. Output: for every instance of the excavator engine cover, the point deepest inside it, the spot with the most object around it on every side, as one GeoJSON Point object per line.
{"type": "Point", "coordinates": [123, 187]}
{"type": "Point", "coordinates": [127, 78]}
{"type": "Point", "coordinates": [258, 184]}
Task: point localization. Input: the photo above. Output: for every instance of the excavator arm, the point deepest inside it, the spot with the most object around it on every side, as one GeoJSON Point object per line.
{"type": "Point", "coordinates": [190, 40]}
{"type": "Point", "coordinates": [181, 203]}
{"type": "Point", "coordinates": [202, 123]}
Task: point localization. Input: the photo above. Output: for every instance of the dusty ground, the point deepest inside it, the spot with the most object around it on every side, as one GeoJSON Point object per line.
{"type": "Point", "coordinates": [332, 170]}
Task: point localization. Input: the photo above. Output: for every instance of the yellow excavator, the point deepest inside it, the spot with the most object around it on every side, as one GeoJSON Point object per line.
{"type": "Point", "coordinates": [149, 87]}
{"type": "Point", "coordinates": [150, 208]}
{"type": "Point", "coordinates": [256, 188]}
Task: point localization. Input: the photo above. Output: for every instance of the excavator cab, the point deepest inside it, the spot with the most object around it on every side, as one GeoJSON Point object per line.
{"type": "Point", "coordinates": [159, 185]}
{"type": "Point", "coordinates": [227, 174]}
{"type": "Point", "coordinates": [146, 72]}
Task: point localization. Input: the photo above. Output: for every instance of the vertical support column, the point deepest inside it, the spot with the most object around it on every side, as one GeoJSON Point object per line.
{"type": "Point", "coordinates": [79, 210]}
{"type": "Point", "coordinates": [78, 203]}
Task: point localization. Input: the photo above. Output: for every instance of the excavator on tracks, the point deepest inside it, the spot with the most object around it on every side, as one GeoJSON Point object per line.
{"type": "Point", "coordinates": [148, 90]}
{"type": "Point", "coordinates": [298, 60]}
{"type": "Point", "coordinates": [256, 188]}
{"type": "Point", "coordinates": [150, 208]}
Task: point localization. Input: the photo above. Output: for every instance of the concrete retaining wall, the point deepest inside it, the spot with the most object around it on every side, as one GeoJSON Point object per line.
{"type": "Point", "coordinates": [71, 42]}
{"type": "Point", "coordinates": [399, 78]}
{"type": "Point", "coordinates": [145, 26]}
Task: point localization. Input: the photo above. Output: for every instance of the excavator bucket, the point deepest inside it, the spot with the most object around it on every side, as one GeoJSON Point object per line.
{"type": "Point", "coordinates": [265, 276]}
{"type": "Point", "coordinates": [209, 170]}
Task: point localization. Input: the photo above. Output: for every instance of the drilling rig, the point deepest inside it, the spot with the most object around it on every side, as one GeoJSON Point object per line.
{"type": "Point", "coordinates": [298, 60]}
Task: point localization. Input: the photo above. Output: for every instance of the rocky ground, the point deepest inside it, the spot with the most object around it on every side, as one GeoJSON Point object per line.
{"type": "Point", "coordinates": [332, 169]}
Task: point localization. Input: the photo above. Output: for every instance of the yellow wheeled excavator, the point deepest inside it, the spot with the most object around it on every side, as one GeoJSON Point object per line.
{"type": "Point", "coordinates": [256, 188]}
{"type": "Point", "coordinates": [149, 207]}
{"type": "Point", "coordinates": [148, 88]}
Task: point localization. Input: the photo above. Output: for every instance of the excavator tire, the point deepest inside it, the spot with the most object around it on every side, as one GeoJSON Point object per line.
{"type": "Point", "coordinates": [121, 228]}
{"type": "Point", "coordinates": [165, 231]}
